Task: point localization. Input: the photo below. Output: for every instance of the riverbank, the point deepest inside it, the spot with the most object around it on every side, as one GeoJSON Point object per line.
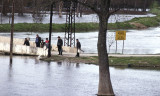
{"type": "Point", "coordinates": [119, 60]}
{"type": "Point", "coordinates": [136, 23]}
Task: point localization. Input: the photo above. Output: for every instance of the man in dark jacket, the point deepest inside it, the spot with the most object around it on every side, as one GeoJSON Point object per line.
{"type": "Point", "coordinates": [38, 40]}
{"type": "Point", "coordinates": [78, 45]}
{"type": "Point", "coordinates": [26, 42]}
{"type": "Point", "coordinates": [59, 45]}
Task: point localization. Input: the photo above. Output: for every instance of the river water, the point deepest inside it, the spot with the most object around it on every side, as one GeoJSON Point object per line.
{"type": "Point", "coordinates": [27, 18]}
{"type": "Point", "coordinates": [137, 41]}
{"type": "Point", "coordinates": [28, 76]}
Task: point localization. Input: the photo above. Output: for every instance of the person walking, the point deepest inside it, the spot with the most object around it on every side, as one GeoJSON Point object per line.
{"type": "Point", "coordinates": [78, 45]}
{"type": "Point", "coordinates": [26, 42]}
{"type": "Point", "coordinates": [59, 45]}
{"type": "Point", "coordinates": [38, 40]}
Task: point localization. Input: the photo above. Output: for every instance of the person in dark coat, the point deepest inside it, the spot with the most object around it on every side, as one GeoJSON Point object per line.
{"type": "Point", "coordinates": [38, 40]}
{"type": "Point", "coordinates": [26, 42]}
{"type": "Point", "coordinates": [59, 45]}
{"type": "Point", "coordinates": [78, 45]}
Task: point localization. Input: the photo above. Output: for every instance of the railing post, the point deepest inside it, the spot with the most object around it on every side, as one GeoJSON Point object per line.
{"type": "Point", "coordinates": [50, 31]}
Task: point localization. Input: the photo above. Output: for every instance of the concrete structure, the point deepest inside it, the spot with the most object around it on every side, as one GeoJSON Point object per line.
{"type": "Point", "coordinates": [23, 50]}
{"type": "Point", "coordinates": [19, 48]}
{"type": "Point", "coordinates": [65, 49]}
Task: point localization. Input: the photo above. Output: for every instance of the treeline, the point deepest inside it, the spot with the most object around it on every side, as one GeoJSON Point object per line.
{"type": "Point", "coordinates": [36, 6]}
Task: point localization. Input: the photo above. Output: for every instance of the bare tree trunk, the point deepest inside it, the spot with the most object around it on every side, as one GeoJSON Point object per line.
{"type": "Point", "coordinates": [80, 12]}
{"type": "Point", "coordinates": [105, 86]}
{"type": "Point", "coordinates": [60, 9]}
{"type": "Point", "coordinates": [5, 8]}
{"type": "Point", "coordinates": [12, 30]}
{"type": "Point", "coordinates": [77, 11]}
{"type": "Point", "coordinates": [1, 11]}
{"type": "Point", "coordinates": [22, 8]}
{"type": "Point", "coordinates": [144, 7]}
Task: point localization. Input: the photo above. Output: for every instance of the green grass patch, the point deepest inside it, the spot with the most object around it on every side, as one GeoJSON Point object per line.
{"type": "Point", "coordinates": [135, 61]}
{"type": "Point", "coordinates": [113, 61]}
{"type": "Point", "coordinates": [39, 27]}
{"type": "Point", "coordinates": [147, 21]}
{"type": "Point", "coordinates": [120, 25]}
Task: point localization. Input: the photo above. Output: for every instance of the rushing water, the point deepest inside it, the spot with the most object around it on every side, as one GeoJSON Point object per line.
{"type": "Point", "coordinates": [28, 76]}
{"type": "Point", "coordinates": [27, 18]}
{"type": "Point", "coordinates": [137, 41]}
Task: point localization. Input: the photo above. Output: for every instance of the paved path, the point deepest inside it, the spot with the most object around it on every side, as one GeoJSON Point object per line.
{"type": "Point", "coordinates": [114, 55]}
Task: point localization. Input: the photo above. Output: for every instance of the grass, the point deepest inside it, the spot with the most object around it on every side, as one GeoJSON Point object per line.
{"type": "Point", "coordinates": [39, 27]}
{"type": "Point", "coordinates": [135, 61]}
{"type": "Point", "coordinates": [147, 21]}
{"type": "Point", "coordinates": [113, 61]}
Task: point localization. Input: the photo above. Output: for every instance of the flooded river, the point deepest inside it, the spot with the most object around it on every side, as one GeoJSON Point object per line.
{"type": "Point", "coordinates": [137, 41]}
{"type": "Point", "coordinates": [28, 76]}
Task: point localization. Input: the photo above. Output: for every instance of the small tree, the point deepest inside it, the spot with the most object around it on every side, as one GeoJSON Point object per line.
{"type": "Point", "coordinates": [110, 39]}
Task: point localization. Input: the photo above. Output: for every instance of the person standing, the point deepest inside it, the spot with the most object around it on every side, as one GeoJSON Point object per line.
{"type": "Point", "coordinates": [47, 43]}
{"type": "Point", "coordinates": [38, 40]}
{"type": "Point", "coordinates": [42, 43]}
{"type": "Point", "coordinates": [26, 42]}
{"type": "Point", "coordinates": [78, 45]}
{"type": "Point", "coordinates": [59, 45]}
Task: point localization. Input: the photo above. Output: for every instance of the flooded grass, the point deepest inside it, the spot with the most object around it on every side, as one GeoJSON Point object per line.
{"type": "Point", "coordinates": [135, 61]}
{"type": "Point", "coordinates": [87, 60]}
{"type": "Point", "coordinates": [113, 61]}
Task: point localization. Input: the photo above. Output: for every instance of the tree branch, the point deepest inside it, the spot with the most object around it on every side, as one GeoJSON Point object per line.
{"type": "Point", "coordinates": [112, 12]}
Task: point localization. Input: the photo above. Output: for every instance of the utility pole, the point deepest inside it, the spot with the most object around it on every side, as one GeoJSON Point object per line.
{"type": "Point", "coordinates": [1, 11]}
{"type": "Point", "coordinates": [12, 30]}
{"type": "Point", "coordinates": [50, 31]}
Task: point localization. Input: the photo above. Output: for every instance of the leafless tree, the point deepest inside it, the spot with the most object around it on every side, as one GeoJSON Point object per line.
{"type": "Point", "coordinates": [103, 12]}
{"type": "Point", "coordinates": [110, 39]}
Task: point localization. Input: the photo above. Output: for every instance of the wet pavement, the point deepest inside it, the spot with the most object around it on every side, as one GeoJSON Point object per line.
{"type": "Point", "coordinates": [28, 76]}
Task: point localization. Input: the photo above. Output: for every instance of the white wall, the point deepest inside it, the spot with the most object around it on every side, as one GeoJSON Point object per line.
{"type": "Point", "coordinates": [19, 48]}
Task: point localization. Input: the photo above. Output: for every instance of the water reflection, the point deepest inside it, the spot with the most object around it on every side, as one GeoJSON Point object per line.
{"type": "Point", "coordinates": [10, 72]}
{"type": "Point", "coordinates": [37, 61]}
{"type": "Point", "coordinates": [28, 76]}
{"type": "Point", "coordinates": [77, 65]}
{"type": "Point", "coordinates": [59, 64]}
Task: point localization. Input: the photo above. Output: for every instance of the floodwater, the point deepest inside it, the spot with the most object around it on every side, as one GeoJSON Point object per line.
{"type": "Point", "coordinates": [28, 76]}
{"type": "Point", "coordinates": [27, 18]}
{"type": "Point", "coordinates": [137, 41]}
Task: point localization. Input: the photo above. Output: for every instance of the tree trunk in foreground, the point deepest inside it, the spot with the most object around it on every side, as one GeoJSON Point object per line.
{"type": "Point", "coordinates": [105, 86]}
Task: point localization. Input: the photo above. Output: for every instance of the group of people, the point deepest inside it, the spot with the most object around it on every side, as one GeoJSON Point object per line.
{"type": "Point", "coordinates": [41, 43]}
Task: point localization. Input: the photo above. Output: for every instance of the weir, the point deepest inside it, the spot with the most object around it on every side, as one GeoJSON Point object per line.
{"type": "Point", "coordinates": [20, 49]}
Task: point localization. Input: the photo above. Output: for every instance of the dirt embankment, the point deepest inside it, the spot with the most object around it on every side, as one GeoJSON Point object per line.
{"type": "Point", "coordinates": [139, 25]}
